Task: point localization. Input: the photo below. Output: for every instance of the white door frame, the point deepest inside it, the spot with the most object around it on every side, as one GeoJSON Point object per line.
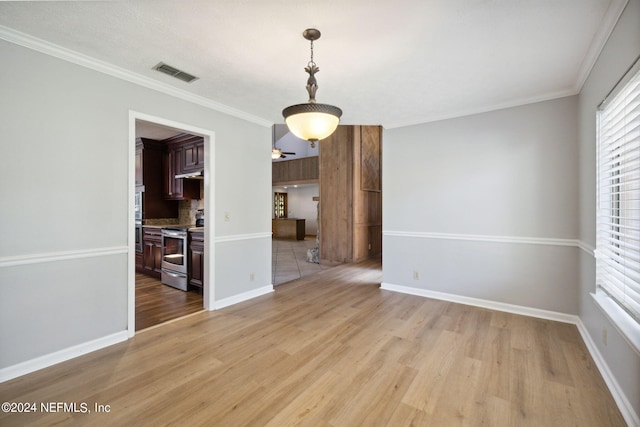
{"type": "Point", "coordinates": [209, 204]}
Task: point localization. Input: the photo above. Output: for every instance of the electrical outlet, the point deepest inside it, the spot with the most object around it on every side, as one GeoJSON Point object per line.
{"type": "Point", "coordinates": [227, 216]}
{"type": "Point", "coordinates": [252, 277]}
{"type": "Point", "coordinates": [416, 275]}
{"type": "Point", "coordinates": [369, 246]}
{"type": "Point", "coordinates": [604, 336]}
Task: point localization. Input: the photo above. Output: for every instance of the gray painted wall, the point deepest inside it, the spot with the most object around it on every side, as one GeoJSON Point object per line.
{"type": "Point", "coordinates": [520, 173]}
{"type": "Point", "coordinates": [465, 197]}
{"type": "Point", "coordinates": [620, 51]}
{"type": "Point", "coordinates": [64, 193]}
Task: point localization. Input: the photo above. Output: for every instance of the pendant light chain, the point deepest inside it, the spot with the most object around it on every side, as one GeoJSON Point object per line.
{"type": "Point", "coordinates": [311, 63]}
{"type": "Point", "coordinates": [312, 84]}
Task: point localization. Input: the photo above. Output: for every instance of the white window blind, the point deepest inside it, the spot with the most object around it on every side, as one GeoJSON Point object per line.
{"type": "Point", "coordinates": [618, 195]}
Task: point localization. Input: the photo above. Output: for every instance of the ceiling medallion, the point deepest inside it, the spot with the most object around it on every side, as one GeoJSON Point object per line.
{"type": "Point", "coordinates": [312, 121]}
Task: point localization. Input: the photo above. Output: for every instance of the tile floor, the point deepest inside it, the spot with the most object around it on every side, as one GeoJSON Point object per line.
{"type": "Point", "coordinates": [289, 260]}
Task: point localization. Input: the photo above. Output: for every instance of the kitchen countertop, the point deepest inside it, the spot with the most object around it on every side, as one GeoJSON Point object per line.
{"type": "Point", "coordinates": [189, 227]}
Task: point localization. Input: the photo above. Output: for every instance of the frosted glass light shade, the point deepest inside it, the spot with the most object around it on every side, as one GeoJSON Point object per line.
{"type": "Point", "coordinates": [312, 122]}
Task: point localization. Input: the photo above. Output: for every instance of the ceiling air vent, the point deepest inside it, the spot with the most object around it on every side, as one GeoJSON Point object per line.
{"type": "Point", "coordinates": [174, 72]}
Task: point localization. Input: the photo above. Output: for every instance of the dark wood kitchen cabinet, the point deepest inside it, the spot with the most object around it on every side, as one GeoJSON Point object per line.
{"type": "Point", "coordinates": [196, 258]}
{"type": "Point", "coordinates": [180, 189]}
{"type": "Point", "coordinates": [193, 155]}
{"type": "Point", "coordinates": [139, 164]}
{"type": "Point", "coordinates": [172, 186]}
{"type": "Point", "coordinates": [152, 251]}
{"type": "Point", "coordinates": [149, 180]}
{"type": "Point", "coordinates": [139, 262]}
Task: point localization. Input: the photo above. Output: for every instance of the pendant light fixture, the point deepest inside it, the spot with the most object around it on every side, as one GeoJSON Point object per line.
{"type": "Point", "coordinates": [312, 121]}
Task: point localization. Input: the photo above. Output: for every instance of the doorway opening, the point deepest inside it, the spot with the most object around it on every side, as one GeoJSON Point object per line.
{"type": "Point", "coordinates": [346, 208]}
{"type": "Point", "coordinates": [171, 194]}
{"type": "Point", "coordinates": [295, 191]}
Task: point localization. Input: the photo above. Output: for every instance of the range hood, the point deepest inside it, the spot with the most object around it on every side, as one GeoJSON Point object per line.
{"type": "Point", "coordinates": [191, 175]}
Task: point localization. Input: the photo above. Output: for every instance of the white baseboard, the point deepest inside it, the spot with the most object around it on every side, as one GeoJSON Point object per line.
{"type": "Point", "coordinates": [492, 305]}
{"type": "Point", "coordinates": [630, 416]}
{"type": "Point", "coordinates": [621, 400]}
{"type": "Point", "coordinates": [226, 302]}
{"type": "Point", "coordinates": [63, 355]}
{"type": "Point", "coordinates": [45, 361]}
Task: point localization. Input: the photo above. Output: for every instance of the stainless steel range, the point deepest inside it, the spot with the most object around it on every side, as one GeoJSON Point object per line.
{"type": "Point", "coordinates": [174, 257]}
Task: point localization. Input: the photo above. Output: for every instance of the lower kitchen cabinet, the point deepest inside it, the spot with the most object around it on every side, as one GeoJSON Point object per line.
{"type": "Point", "coordinates": [152, 251]}
{"type": "Point", "coordinates": [196, 259]}
{"type": "Point", "coordinates": [139, 262]}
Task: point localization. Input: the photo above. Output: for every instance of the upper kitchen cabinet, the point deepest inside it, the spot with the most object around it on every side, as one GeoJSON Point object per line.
{"type": "Point", "coordinates": [193, 155]}
{"type": "Point", "coordinates": [149, 180]}
{"type": "Point", "coordinates": [139, 166]}
{"type": "Point", "coordinates": [185, 154]}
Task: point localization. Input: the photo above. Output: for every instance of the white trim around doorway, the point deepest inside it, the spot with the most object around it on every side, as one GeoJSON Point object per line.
{"type": "Point", "coordinates": [209, 204]}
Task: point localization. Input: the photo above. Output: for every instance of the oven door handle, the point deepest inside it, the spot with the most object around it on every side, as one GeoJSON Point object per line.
{"type": "Point", "coordinates": [174, 233]}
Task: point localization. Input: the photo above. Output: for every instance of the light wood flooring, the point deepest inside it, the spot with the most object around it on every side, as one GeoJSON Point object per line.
{"type": "Point", "coordinates": [332, 349]}
{"type": "Point", "coordinates": [158, 303]}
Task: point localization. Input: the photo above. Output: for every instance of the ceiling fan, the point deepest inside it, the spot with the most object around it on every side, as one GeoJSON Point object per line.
{"type": "Point", "coordinates": [277, 153]}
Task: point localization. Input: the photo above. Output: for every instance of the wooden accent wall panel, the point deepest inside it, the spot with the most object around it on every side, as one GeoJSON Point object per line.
{"type": "Point", "coordinates": [295, 171]}
{"type": "Point", "coordinates": [336, 196]}
{"type": "Point", "coordinates": [351, 194]}
{"type": "Point", "coordinates": [370, 158]}
{"type": "Point", "coordinates": [367, 193]}
{"type": "Point", "coordinates": [279, 172]}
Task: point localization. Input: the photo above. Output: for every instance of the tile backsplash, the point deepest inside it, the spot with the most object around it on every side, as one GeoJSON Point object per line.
{"type": "Point", "coordinates": [187, 208]}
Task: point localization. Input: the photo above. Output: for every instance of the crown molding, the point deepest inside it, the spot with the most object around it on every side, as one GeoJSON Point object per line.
{"type": "Point", "coordinates": [483, 109]}
{"type": "Point", "coordinates": [611, 17]}
{"type": "Point", "coordinates": [607, 26]}
{"type": "Point", "coordinates": [43, 46]}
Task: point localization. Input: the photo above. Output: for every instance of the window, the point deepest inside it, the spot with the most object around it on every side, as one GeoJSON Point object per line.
{"type": "Point", "coordinates": [280, 205]}
{"type": "Point", "coordinates": [618, 195]}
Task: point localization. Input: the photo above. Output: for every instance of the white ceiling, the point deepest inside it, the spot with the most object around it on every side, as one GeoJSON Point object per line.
{"type": "Point", "coordinates": [390, 63]}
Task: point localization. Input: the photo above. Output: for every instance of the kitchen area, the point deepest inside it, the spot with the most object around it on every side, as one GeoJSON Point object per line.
{"type": "Point", "coordinates": [169, 224]}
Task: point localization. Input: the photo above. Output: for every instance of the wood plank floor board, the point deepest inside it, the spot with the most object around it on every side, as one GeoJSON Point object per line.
{"type": "Point", "coordinates": [332, 350]}
{"type": "Point", "coordinates": [497, 355]}
{"type": "Point", "coordinates": [405, 415]}
{"type": "Point", "coordinates": [157, 303]}
{"type": "Point", "coordinates": [378, 398]}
